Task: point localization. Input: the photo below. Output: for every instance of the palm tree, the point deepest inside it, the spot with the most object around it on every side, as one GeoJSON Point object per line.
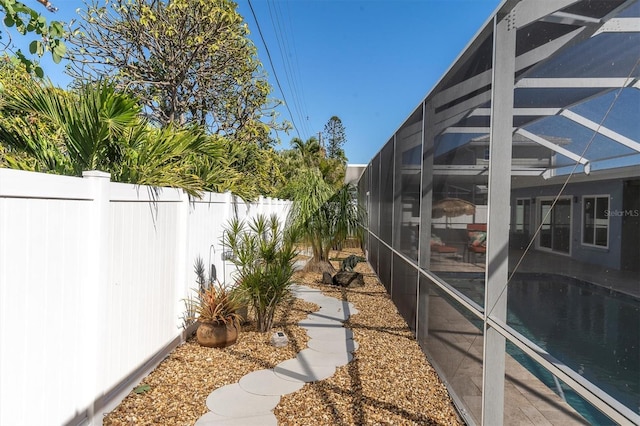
{"type": "Point", "coordinates": [97, 128]}
{"type": "Point", "coordinates": [324, 217]}
{"type": "Point", "coordinates": [164, 157]}
{"type": "Point", "coordinates": [89, 125]}
{"type": "Point", "coordinates": [308, 150]}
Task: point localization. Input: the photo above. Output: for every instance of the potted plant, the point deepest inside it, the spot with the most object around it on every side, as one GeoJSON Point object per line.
{"type": "Point", "coordinates": [216, 309]}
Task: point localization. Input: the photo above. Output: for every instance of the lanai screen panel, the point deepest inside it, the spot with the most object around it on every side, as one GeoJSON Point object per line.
{"type": "Point", "coordinates": [575, 188]}
{"type": "Point", "coordinates": [374, 211]}
{"type": "Point", "coordinates": [574, 226]}
{"type": "Point", "coordinates": [405, 282]}
{"type": "Point", "coordinates": [374, 196]}
{"type": "Point", "coordinates": [386, 192]}
{"type": "Point", "coordinates": [363, 201]}
{"type": "Point", "coordinates": [407, 177]}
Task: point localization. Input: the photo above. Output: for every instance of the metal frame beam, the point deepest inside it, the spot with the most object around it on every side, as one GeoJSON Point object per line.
{"type": "Point", "coordinates": [573, 83]}
{"type": "Point", "coordinates": [620, 25]}
{"type": "Point", "coordinates": [560, 150]}
{"type": "Point", "coordinates": [497, 256]}
{"type": "Point", "coordinates": [592, 125]}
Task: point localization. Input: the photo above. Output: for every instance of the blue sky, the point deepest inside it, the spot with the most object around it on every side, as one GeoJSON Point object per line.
{"type": "Point", "coordinates": [368, 62]}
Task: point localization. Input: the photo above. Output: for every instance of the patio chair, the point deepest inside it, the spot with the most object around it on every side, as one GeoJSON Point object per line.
{"type": "Point", "coordinates": [477, 241]}
{"type": "Point", "coordinates": [439, 247]}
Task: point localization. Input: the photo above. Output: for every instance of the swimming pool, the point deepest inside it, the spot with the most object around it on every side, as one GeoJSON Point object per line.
{"type": "Point", "coordinates": [593, 330]}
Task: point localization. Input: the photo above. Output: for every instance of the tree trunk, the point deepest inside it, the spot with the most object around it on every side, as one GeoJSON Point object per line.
{"type": "Point", "coordinates": [320, 266]}
{"type": "Point", "coordinates": [320, 260]}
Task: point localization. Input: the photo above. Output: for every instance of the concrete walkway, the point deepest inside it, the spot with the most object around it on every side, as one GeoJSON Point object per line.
{"type": "Point", "coordinates": [251, 401]}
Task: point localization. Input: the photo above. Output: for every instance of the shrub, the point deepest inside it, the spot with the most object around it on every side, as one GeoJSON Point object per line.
{"type": "Point", "coordinates": [264, 254]}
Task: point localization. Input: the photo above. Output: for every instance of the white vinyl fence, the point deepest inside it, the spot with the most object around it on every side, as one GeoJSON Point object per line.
{"type": "Point", "coordinates": [92, 280]}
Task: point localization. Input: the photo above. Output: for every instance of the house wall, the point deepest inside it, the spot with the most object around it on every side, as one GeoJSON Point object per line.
{"type": "Point", "coordinates": [609, 257]}
{"type": "Point", "coordinates": [92, 280]}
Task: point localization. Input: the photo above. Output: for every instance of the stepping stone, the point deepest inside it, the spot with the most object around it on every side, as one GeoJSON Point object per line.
{"type": "Point", "coordinates": [317, 298]}
{"type": "Point", "coordinates": [339, 307]}
{"type": "Point", "coordinates": [265, 382]}
{"type": "Point", "coordinates": [211, 419]}
{"type": "Point", "coordinates": [324, 316]}
{"type": "Point", "coordinates": [334, 303]}
{"type": "Point", "coordinates": [324, 358]}
{"type": "Point", "coordinates": [326, 333]}
{"type": "Point", "coordinates": [332, 345]}
{"type": "Point", "coordinates": [295, 288]}
{"type": "Point", "coordinates": [233, 401]}
{"type": "Point", "coordinates": [316, 322]}
{"type": "Point", "coordinates": [304, 289]}
{"type": "Point", "coordinates": [315, 317]}
{"type": "Point", "coordinates": [298, 370]}
{"type": "Point", "coordinates": [332, 308]}
{"type": "Point", "coordinates": [250, 401]}
{"type": "Point", "coordinates": [339, 303]}
{"type": "Point", "coordinates": [338, 315]}
{"type": "Point", "coordinates": [352, 310]}
{"type": "Point", "coordinates": [315, 294]}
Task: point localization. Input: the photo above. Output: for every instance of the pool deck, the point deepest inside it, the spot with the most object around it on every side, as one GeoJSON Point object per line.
{"type": "Point", "coordinates": [626, 282]}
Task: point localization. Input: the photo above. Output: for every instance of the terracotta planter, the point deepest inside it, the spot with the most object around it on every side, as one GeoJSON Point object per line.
{"type": "Point", "coordinates": [217, 334]}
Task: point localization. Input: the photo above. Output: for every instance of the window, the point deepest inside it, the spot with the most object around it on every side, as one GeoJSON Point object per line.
{"type": "Point", "coordinates": [555, 225]}
{"type": "Point", "coordinates": [523, 210]}
{"type": "Point", "coordinates": [595, 222]}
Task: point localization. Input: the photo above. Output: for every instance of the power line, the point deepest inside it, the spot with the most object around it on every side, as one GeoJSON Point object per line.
{"type": "Point", "coordinates": [286, 104]}
{"type": "Point", "coordinates": [297, 63]}
{"type": "Point", "coordinates": [281, 48]}
{"type": "Point", "coordinates": [284, 43]}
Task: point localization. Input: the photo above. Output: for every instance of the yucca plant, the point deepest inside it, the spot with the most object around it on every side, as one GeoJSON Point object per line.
{"type": "Point", "coordinates": [264, 254]}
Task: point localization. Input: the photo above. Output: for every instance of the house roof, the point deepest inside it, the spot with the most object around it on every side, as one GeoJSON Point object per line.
{"type": "Point", "coordinates": [353, 173]}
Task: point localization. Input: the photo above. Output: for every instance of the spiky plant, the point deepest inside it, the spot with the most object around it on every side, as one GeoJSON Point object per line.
{"type": "Point", "coordinates": [217, 304]}
{"type": "Point", "coordinates": [264, 254]}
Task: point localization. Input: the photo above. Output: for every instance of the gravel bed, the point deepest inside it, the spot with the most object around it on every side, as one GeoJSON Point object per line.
{"type": "Point", "coordinates": [389, 381]}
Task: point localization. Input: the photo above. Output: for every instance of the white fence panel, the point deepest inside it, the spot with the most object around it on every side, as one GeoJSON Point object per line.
{"type": "Point", "coordinates": [92, 278]}
{"type": "Point", "coordinates": [141, 298]}
{"type": "Point", "coordinates": [45, 301]}
{"type": "Point", "coordinates": [208, 218]}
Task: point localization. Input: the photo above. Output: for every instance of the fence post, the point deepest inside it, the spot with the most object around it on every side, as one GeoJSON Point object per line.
{"type": "Point", "coordinates": [231, 212]}
{"type": "Point", "coordinates": [260, 209]}
{"type": "Point", "coordinates": [229, 203]}
{"type": "Point", "coordinates": [96, 291]}
{"type": "Point", "coordinates": [182, 238]}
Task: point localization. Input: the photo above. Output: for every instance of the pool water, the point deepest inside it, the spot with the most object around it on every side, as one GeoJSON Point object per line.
{"type": "Point", "coordinates": [594, 331]}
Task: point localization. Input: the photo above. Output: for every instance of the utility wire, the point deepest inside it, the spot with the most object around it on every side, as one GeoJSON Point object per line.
{"type": "Point", "coordinates": [266, 48]}
{"type": "Point", "coordinates": [294, 67]}
{"type": "Point", "coordinates": [281, 37]}
{"type": "Point", "coordinates": [301, 93]}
